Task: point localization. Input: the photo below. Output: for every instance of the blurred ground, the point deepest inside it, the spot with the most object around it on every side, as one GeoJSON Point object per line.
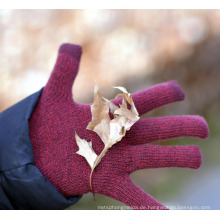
{"type": "Point", "coordinates": [135, 49]}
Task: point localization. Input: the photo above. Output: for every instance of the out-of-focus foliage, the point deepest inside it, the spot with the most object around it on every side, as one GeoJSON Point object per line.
{"type": "Point", "coordinates": [130, 48]}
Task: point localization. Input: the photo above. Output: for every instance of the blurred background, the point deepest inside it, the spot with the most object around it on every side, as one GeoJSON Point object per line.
{"type": "Point", "coordinates": [134, 49]}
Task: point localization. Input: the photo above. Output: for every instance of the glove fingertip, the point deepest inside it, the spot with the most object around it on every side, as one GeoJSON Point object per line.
{"type": "Point", "coordinates": [177, 90]}
{"type": "Point", "coordinates": [197, 157]}
{"type": "Point", "coordinates": [71, 49]}
{"type": "Point", "coordinates": [204, 127]}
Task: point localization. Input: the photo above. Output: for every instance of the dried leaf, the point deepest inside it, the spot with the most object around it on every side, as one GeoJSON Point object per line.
{"type": "Point", "coordinates": [100, 116]}
{"type": "Point", "coordinates": [121, 88]}
{"type": "Point", "coordinates": [127, 97]}
{"type": "Point", "coordinates": [109, 130]}
{"type": "Point", "coordinates": [112, 107]}
{"type": "Point", "coordinates": [85, 150]}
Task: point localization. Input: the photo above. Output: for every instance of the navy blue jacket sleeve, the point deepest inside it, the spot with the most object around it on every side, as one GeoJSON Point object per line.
{"type": "Point", "coordinates": [22, 186]}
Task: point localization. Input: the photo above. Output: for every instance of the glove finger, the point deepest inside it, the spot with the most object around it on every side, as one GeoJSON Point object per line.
{"type": "Point", "coordinates": [130, 194]}
{"type": "Point", "coordinates": [155, 156]}
{"type": "Point", "coordinates": [65, 71]}
{"type": "Point", "coordinates": [156, 96]}
{"type": "Point", "coordinates": [162, 128]}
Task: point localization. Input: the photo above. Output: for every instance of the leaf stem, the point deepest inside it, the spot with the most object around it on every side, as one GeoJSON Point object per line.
{"type": "Point", "coordinates": [97, 161]}
{"type": "Point", "coordinates": [90, 183]}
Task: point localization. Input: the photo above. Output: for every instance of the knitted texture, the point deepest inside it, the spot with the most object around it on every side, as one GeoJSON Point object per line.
{"type": "Point", "coordinates": [57, 117]}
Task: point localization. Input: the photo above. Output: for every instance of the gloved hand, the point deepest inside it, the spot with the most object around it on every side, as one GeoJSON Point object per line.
{"type": "Point", "coordinates": [57, 117]}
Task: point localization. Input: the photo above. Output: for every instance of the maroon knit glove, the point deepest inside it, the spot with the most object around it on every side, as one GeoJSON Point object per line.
{"type": "Point", "coordinates": [57, 117]}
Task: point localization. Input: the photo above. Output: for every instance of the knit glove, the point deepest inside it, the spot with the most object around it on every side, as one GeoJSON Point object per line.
{"type": "Point", "coordinates": [57, 117]}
